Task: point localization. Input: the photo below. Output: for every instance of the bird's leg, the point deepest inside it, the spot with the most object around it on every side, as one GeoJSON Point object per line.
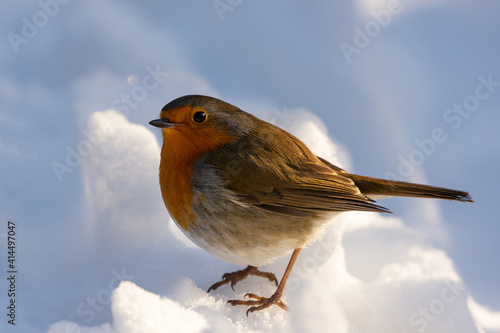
{"type": "Point", "coordinates": [238, 276]}
{"type": "Point", "coordinates": [260, 303]}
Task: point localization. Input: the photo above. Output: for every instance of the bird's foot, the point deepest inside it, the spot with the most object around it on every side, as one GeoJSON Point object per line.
{"type": "Point", "coordinates": [260, 303]}
{"type": "Point", "coordinates": [238, 276]}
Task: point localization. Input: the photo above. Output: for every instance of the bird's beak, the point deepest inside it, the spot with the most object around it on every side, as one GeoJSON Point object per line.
{"type": "Point", "coordinates": [162, 123]}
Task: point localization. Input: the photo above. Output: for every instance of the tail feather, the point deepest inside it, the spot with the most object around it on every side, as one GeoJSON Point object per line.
{"type": "Point", "coordinates": [381, 187]}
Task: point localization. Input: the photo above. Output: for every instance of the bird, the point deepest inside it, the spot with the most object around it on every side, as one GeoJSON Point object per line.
{"type": "Point", "coordinates": [249, 192]}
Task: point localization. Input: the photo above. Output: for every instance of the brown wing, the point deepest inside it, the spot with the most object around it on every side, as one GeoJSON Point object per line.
{"type": "Point", "coordinates": [286, 177]}
{"type": "Point", "coordinates": [320, 192]}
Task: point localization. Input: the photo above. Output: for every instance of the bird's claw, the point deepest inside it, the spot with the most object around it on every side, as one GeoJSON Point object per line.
{"type": "Point", "coordinates": [240, 275]}
{"type": "Point", "coordinates": [260, 303]}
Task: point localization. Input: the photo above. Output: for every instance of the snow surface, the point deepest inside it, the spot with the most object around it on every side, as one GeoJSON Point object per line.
{"type": "Point", "coordinates": [96, 249]}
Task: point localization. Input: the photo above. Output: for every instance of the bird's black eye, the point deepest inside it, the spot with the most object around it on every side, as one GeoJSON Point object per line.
{"type": "Point", "coordinates": [199, 116]}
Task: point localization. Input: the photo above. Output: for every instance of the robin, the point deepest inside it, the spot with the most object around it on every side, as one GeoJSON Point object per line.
{"type": "Point", "coordinates": [249, 192]}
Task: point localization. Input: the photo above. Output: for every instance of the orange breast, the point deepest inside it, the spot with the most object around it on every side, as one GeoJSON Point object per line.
{"type": "Point", "coordinates": [182, 148]}
{"type": "Point", "coordinates": [177, 197]}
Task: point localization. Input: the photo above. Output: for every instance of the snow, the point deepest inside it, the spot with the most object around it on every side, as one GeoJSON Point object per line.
{"type": "Point", "coordinates": [95, 248]}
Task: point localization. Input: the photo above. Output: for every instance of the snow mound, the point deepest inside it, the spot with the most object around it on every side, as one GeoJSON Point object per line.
{"type": "Point", "coordinates": [369, 273]}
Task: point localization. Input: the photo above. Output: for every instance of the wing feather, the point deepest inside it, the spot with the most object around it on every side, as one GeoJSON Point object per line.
{"type": "Point", "coordinates": [296, 183]}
